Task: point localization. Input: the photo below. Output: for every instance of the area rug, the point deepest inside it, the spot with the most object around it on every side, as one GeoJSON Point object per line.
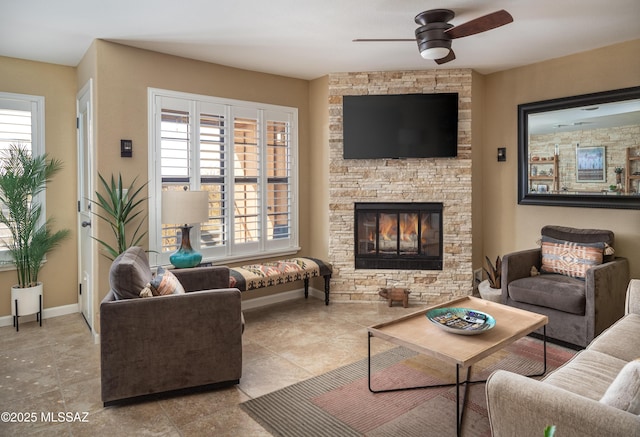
{"type": "Point", "coordinates": [339, 403]}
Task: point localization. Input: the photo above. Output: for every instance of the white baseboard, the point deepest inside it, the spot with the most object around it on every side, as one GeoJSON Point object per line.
{"type": "Point", "coordinates": [248, 304]}
{"type": "Point", "coordinates": [46, 314]}
{"type": "Point", "coordinates": [259, 302]}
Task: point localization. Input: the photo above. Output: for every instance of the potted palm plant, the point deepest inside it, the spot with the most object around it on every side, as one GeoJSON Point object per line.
{"type": "Point", "coordinates": [120, 207]}
{"type": "Point", "coordinates": [22, 178]}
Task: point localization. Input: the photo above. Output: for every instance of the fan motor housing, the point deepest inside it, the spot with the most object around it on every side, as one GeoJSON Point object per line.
{"type": "Point", "coordinates": [433, 31]}
{"type": "Point", "coordinates": [433, 35]}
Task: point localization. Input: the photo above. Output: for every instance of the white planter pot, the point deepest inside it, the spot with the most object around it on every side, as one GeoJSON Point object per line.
{"type": "Point", "coordinates": [28, 300]}
{"type": "Point", "coordinates": [488, 293]}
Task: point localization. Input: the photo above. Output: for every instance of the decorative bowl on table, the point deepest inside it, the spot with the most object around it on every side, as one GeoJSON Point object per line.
{"type": "Point", "coordinates": [462, 321]}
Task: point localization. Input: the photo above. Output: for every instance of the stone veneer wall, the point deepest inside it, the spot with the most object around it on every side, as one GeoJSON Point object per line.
{"type": "Point", "coordinates": [616, 141]}
{"type": "Point", "coordinates": [446, 180]}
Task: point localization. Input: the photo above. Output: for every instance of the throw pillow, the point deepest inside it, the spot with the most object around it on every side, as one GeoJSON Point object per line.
{"type": "Point", "coordinates": [624, 391]}
{"type": "Point", "coordinates": [569, 258]}
{"type": "Point", "coordinates": [129, 273]}
{"type": "Point", "coordinates": [165, 282]}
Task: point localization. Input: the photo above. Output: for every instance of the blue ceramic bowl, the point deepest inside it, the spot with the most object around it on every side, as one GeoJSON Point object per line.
{"type": "Point", "coordinates": [462, 321]}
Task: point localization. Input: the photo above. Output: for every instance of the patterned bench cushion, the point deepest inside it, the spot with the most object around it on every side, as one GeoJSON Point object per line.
{"type": "Point", "coordinates": [254, 276]}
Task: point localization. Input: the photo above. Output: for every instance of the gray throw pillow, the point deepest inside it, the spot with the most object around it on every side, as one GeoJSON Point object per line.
{"type": "Point", "coordinates": [624, 391]}
{"type": "Point", "coordinates": [129, 273]}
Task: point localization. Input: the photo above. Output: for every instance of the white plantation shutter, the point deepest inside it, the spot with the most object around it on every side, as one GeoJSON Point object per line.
{"type": "Point", "coordinates": [242, 153]}
{"type": "Point", "coordinates": [278, 178]}
{"type": "Point", "coordinates": [213, 170]}
{"type": "Point", "coordinates": [247, 199]}
{"type": "Point", "coordinates": [175, 157]}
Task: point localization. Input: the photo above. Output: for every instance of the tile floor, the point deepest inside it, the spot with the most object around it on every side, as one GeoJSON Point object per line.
{"type": "Point", "coordinates": [56, 368]}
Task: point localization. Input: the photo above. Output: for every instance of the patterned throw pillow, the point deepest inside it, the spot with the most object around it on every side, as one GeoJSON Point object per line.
{"type": "Point", "coordinates": [569, 258]}
{"type": "Point", "coordinates": [165, 282]}
{"type": "Point", "coordinates": [624, 391]}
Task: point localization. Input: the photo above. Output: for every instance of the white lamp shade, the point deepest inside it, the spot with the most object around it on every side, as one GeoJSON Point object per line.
{"type": "Point", "coordinates": [185, 207]}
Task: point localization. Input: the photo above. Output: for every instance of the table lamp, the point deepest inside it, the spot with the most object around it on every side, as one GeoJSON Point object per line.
{"type": "Point", "coordinates": [185, 208]}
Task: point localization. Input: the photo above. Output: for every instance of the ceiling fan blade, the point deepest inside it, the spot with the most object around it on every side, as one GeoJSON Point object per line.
{"type": "Point", "coordinates": [450, 57]}
{"type": "Point", "coordinates": [481, 24]}
{"type": "Point", "coordinates": [382, 39]}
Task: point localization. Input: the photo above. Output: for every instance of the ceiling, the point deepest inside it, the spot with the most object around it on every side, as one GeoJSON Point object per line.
{"type": "Point", "coordinates": [310, 38]}
{"type": "Point", "coordinates": [604, 115]}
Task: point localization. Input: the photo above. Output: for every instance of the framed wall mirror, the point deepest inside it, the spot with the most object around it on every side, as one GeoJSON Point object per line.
{"type": "Point", "coordinates": [581, 151]}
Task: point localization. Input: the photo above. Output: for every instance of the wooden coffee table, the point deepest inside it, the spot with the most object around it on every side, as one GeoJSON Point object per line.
{"type": "Point", "coordinates": [414, 331]}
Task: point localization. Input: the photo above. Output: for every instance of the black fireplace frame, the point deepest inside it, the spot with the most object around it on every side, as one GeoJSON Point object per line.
{"type": "Point", "coordinates": [379, 260]}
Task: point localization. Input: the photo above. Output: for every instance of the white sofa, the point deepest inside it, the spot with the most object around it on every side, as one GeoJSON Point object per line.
{"type": "Point", "coordinates": [569, 397]}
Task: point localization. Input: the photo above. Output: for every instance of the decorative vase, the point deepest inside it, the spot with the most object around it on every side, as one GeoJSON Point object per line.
{"type": "Point", "coordinates": [29, 301]}
{"type": "Point", "coordinates": [185, 256]}
{"type": "Point", "coordinates": [488, 293]}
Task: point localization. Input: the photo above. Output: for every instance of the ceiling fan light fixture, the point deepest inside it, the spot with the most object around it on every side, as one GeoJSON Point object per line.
{"type": "Point", "coordinates": [434, 48]}
{"type": "Point", "coordinates": [434, 52]}
{"type": "Point", "coordinates": [435, 33]}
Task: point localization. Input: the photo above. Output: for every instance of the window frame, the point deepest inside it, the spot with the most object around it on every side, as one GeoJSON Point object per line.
{"type": "Point", "coordinates": [233, 109]}
{"type": "Point", "coordinates": [36, 105]}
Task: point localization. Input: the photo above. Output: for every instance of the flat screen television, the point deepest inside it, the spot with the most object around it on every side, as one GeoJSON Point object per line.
{"type": "Point", "coordinates": [400, 126]}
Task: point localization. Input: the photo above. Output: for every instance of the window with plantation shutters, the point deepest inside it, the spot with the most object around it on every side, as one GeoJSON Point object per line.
{"type": "Point", "coordinates": [242, 154]}
{"type": "Point", "coordinates": [21, 124]}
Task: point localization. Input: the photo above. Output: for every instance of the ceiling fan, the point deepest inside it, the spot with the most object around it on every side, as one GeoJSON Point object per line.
{"type": "Point", "coordinates": [435, 32]}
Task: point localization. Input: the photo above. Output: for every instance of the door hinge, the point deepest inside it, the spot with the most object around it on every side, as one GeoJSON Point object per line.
{"type": "Point", "coordinates": [79, 288]}
{"type": "Point", "coordinates": [78, 206]}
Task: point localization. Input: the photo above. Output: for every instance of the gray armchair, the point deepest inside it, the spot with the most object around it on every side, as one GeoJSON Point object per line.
{"type": "Point", "coordinates": [167, 343]}
{"type": "Point", "coordinates": [578, 309]}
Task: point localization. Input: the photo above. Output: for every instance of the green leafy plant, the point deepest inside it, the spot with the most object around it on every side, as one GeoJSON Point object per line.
{"type": "Point", "coordinates": [22, 178]}
{"type": "Point", "coordinates": [494, 273]}
{"type": "Point", "coordinates": [119, 208]}
{"type": "Point", "coordinates": [550, 431]}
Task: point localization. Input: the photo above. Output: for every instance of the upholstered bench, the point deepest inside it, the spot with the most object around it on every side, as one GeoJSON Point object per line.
{"type": "Point", "coordinates": [254, 276]}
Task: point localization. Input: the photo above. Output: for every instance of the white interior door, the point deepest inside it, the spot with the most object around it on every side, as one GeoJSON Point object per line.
{"type": "Point", "coordinates": [85, 192]}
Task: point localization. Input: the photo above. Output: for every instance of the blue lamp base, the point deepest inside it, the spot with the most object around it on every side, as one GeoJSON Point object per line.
{"type": "Point", "coordinates": [185, 257]}
{"type": "Point", "coordinates": [182, 259]}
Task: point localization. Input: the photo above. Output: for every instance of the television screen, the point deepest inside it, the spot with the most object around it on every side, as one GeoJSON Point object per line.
{"type": "Point", "coordinates": [400, 126]}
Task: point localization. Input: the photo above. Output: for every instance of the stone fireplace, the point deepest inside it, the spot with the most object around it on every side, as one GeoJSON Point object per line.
{"type": "Point", "coordinates": [398, 236]}
{"type": "Point", "coordinates": [444, 181]}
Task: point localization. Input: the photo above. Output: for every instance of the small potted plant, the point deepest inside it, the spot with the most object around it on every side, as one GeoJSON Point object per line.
{"type": "Point", "coordinates": [22, 178]}
{"type": "Point", "coordinates": [618, 171]}
{"type": "Point", "coordinates": [491, 288]}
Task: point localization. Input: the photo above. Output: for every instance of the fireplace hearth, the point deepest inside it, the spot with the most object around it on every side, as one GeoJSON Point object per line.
{"type": "Point", "coordinates": [399, 236]}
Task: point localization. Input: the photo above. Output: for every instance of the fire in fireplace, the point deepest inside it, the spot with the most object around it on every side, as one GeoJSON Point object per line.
{"type": "Point", "coordinates": [400, 236]}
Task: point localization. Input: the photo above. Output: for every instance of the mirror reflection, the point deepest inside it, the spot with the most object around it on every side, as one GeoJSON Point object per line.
{"type": "Point", "coordinates": [591, 149]}
{"type": "Point", "coordinates": [581, 150]}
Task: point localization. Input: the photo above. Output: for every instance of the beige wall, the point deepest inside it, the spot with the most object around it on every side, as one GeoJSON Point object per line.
{"type": "Point", "coordinates": [319, 167]}
{"type": "Point", "coordinates": [508, 226]}
{"type": "Point", "coordinates": [58, 86]}
{"type": "Point", "coordinates": [125, 74]}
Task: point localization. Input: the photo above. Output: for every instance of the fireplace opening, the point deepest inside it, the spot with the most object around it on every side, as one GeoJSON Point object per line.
{"type": "Point", "coordinates": [400, 236]}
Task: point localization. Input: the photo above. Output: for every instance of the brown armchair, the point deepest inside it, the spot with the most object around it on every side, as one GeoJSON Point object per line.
{"type": "Point", "coordinates": [167, 343]}
{"type": "Point", "coordinates": [578, 309]}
